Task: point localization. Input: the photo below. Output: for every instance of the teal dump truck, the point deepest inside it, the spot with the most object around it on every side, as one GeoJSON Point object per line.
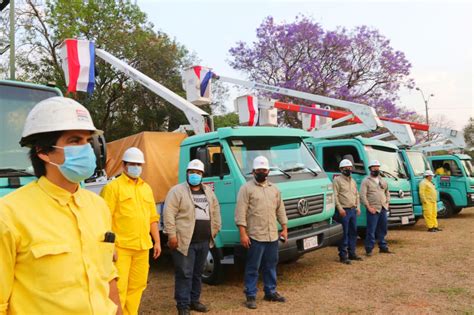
{"type": "Point", "coordinates": [416, 164]}
{"type": "Point", "coordinates": [16, 100]}
{"type": "Point", "coordinates": [306, 190]}
{"type": "Point", "coordinates": [360, 151]}
{"type": "Point", "coordinates": [456, 188]}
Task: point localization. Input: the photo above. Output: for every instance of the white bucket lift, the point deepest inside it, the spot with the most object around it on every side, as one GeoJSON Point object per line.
{"type": "Point", "coordinates": [197, 84]}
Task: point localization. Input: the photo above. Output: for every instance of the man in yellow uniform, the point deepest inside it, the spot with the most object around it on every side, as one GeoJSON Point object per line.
{"type": "Point", "coordinates": [444, 170]}
{"type": "Point", "coordinates": [56, 244]}
{"type": "Point", "coordinates": [428, 201]}
{"type": "Point", "coordinates": [134, 218]}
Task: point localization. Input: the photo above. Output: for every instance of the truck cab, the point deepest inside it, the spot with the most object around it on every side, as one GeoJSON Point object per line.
{"type": "Point", "coordinates": [306, 189]}
{"type": "Point", "coordinates": [456, 184]}
{"type": "Point", "coordinates": [16, 100]}
{"type": "Point", "coordinates": [416, 164]}
{"type": "Point", "coordinates": [360, 151]}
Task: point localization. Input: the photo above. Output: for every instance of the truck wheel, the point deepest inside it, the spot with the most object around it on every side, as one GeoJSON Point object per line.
{"type": "Point", "coordinates": [213, 272]}
{"type": "Point", "coordinates": [449, 209]}
{"type": "Point", "coordinates": [457, 210]}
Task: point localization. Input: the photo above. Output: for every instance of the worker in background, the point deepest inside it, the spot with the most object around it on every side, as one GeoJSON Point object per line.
{"type": "Point", "coordinates": [259, 207]}
{"type": "Point", "coordinates": [444, 170]}
{"type": "Point", "coordinates": [134, 218]}
{"type": "Point", "coordinates": [428, 201]}
{"type": "Point", "coordinates": [375, 196]}
{"type": "Point", "coordinates": [56, 244]}
{"type": "Point", "coordinates": [191, 220]}
{"type": "Point", "coordinates": [347, 210]}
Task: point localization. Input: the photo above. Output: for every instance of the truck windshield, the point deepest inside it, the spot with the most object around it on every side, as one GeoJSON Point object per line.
{"type": "Point", "coordinates": [285, 154]}
{"type": "Point", "coordinates": [15, 103]}
{"type": "Point", "coordinates": [391, 164]}
{"type": "Point", "coordinates": [468, 167]}
{"type": "Point", "coordinates": [418, 162]}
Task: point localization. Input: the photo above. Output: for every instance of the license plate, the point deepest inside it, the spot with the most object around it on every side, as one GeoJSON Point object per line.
{"type": "Point", "coordinates": [405, 220]}
{"type": "Point", "coordinates": [310, 242]}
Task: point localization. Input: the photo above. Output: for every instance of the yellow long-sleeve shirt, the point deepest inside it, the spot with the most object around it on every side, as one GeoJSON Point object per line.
{"type": "Point", "coordinates": [133, 210]}
{"type": "Point", "coordinates": [52, 256]}
{"type": "Point", "coordinates": [427, 191]}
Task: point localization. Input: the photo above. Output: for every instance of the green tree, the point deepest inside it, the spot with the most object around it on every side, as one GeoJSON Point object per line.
{"type": "Point", "coordinates": [227, 120]}
{"type": "Point", "coordinates": [118, 105]}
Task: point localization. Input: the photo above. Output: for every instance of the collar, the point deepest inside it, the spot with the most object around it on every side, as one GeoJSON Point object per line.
{"type": "Point", "coordinates": [62, 196]}
{"type": "Point", "coordinates": [127, 179]}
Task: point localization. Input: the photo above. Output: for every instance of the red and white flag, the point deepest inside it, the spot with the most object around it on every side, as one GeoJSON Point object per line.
{"type": "Point", "coordinates": [78, 58]}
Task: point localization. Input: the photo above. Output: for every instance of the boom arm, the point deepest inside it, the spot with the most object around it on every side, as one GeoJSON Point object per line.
{"type": "Point", "coordinates": [200, 121]}
{"type": "Point", "coordinates": [367, 114]}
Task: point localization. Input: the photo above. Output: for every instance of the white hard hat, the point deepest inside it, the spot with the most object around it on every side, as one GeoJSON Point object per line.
{"type": "Point", "coordinates": [57, 114]}
{"type": "Point", "coordinates": [261, 162]}
{"type": "Point", "coordinates": [428, 173]}
{"type": "Point", "coordinates": [196, 165]}
{"type": "Point", "coordinates": [133, 155]}
{"type": "Point", "coordinates": [374, 163]}
{"type": "Point", "coordinates": [345, 163]}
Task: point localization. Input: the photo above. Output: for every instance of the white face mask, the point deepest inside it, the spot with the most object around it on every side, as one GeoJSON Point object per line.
{"type": "Point", "coordinates": [134, 171]}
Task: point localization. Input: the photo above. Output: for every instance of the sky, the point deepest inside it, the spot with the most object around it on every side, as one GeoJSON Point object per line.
{"type": "Point", "coordinates": [436, 37]}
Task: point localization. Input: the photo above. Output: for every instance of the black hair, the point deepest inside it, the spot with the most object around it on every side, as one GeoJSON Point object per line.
{"type": "Point", "coordinates": [42, 143]}
{"type": "Point", "coordinates": [446, 166]}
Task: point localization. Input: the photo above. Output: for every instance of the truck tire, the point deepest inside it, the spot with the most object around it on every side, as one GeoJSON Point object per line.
{"type": "Point", "coordinates": [213, 272]}
{"type": "Point", "coordinates": [457, 210]}
{"type": "Point", "coordinates": [449, 209]}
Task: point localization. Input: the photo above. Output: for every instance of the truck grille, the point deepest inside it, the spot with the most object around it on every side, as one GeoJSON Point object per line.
{"type": "Point", "coordinates": [315, 205]}
{"type": "Point", "coordinates": [401, 210]}
{"type": "Point", "coordinates": [395, 194]}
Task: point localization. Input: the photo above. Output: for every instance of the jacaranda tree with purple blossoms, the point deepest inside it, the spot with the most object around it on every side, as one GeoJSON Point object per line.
{"type": "Point", "coordinates": [357, 65]}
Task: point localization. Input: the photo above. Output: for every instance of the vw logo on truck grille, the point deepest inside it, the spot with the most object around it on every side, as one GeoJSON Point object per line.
{"type": "Point", "coordinates": [303, 207]}
{"type": "Point", "coordinates": [401, 193]}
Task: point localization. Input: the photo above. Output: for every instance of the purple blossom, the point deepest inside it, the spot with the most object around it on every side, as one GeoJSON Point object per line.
{"type": "Point", "coordinates": [358, 65]}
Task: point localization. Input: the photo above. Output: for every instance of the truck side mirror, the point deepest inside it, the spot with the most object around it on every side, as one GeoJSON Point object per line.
{"type": "Point", "coordinates": [100, 150]}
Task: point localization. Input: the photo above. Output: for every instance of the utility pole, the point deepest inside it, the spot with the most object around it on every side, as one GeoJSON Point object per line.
{"type": "Point", "coordinates": [12, 39]}
{"type": "Point", "coordinates": [425, 100]}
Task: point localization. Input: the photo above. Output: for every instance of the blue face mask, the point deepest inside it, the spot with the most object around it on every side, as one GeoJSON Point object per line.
{"type": "Point", "coordinates": [79, 162]}
{"type": "Point", "coordinates": [194, 179]}
{"type": "Point", "coordinates": [134, 171]}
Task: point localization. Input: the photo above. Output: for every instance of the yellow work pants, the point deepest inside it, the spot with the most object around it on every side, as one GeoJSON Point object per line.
{"type": "Point", "coordinates": [430, 214]}
{"type": "Point", "coordinates": [132, 266]}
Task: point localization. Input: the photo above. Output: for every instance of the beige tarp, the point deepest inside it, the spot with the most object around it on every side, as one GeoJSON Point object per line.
{"type": "Point", "coordinates": [161, 151]}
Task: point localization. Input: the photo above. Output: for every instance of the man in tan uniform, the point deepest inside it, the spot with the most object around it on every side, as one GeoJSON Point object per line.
{"type": "Point", "coordinates": [347, 210]}
{"type": "Point", "coordinates": [192, 220]}
{"type": "Point", "coordinates": [375, 196]}
{"type": "Point", "coordinates": [259, 206]}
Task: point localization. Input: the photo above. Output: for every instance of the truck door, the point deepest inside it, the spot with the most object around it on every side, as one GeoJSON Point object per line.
{"type": "Point", "coordinates": [218, 176]}
{"type": "Point", "coordinates": [452, 182]}
{"type": "Point", "coordinates": [331, 156]}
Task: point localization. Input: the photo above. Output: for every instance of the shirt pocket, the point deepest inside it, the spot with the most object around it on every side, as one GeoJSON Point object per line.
{"type": "Point", "coordinates": [105, 261]}
{"type": "Point", "coordinates": [127, 205]}
{"type": "Point", "coordinates": [53, 266]}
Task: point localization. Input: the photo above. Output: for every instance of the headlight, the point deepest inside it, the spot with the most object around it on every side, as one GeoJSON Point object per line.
{"type": "Point", "coordinates": [329, 201]}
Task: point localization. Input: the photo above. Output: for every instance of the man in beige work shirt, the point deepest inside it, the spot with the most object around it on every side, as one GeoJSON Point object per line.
{"type": "Point", "coordinates": [259, 206]}
{"type": "Point", "coordinates": [191, 220]}
{"type": "Point", "coordinates": [375, 196]}
{"type": "Point", "coordinates": [347, 210]}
